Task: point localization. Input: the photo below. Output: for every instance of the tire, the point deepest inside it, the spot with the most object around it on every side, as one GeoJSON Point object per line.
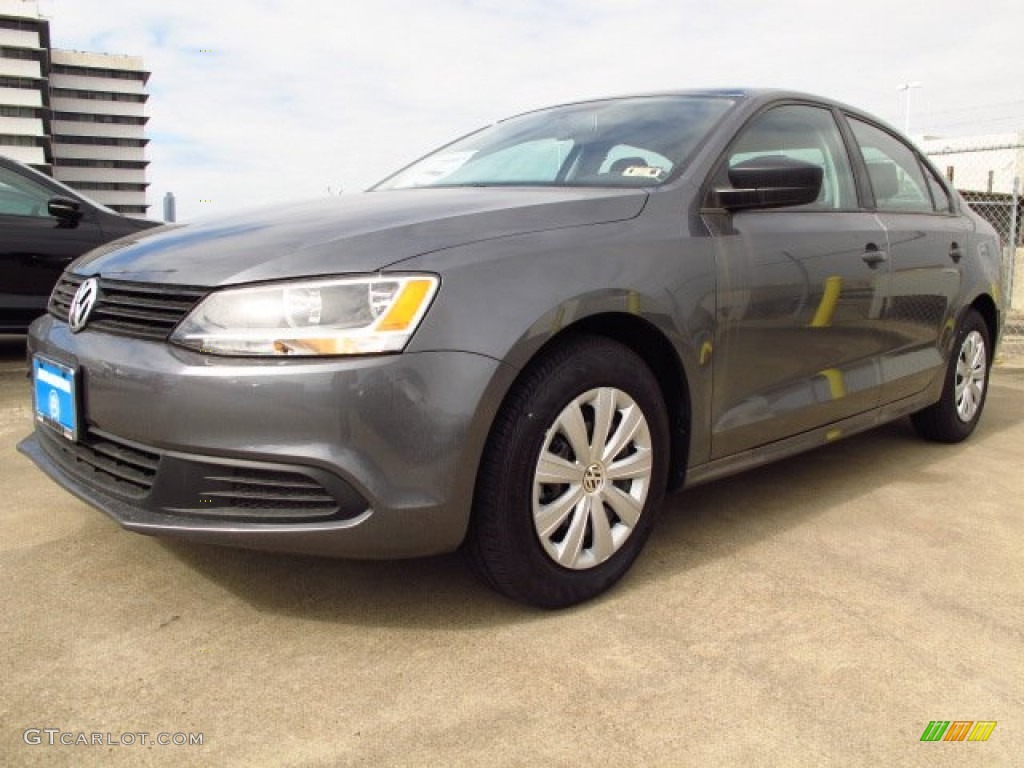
{"type": "Point", "coordinates": [558, 543]}
{"type": "Point", "coordinates": [954, 417]}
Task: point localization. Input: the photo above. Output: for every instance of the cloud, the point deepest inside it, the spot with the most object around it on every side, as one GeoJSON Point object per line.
{"type": "Point", "coordinates": [262, 101]}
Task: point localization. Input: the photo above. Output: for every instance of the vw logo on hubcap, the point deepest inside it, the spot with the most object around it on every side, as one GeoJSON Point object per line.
{"type": "Point", "coordinates": [593, 478]}
{"type": "Point", "coordinates": [82, 304]}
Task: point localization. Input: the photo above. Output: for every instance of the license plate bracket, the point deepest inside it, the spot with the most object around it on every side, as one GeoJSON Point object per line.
{"type": "Point", "coordinates": [55, 390]}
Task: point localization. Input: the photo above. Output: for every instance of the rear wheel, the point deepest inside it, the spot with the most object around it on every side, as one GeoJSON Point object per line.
{"type": "Point", "coordinates": [954, 417]}
{"type": "Point", "coordinates": [574, 471]}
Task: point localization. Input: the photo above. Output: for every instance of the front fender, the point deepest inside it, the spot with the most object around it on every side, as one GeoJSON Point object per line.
{"type": "Point", "coordinates": [508, 298]}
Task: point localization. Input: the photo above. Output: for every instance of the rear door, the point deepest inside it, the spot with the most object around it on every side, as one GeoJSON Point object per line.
{"type": "Point", "coordinates": [800, 293]}
{"type": "Point", "coordinates": [927, 241]}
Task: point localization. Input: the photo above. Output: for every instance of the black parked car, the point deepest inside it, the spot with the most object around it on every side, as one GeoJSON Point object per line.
{"type": "Point", "coordinates": [44, 225]}
{"type": "Point", "coordinates": [519, 343]}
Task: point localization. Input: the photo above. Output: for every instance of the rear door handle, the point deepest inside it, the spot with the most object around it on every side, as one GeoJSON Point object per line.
{"type": "Point", "coordinates": [873, 256]}
{"type": "Point", "coordinates": [956, 253]}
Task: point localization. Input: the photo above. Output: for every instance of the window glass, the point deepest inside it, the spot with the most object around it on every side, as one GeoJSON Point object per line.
{"type": "Point", "coordinates": [21, 197]}
{"type": "Point", "coordinates": [939, 195]}
{"type": "Point", "coordinates": [615, 143]}
{"type": "Point", "coordinates": [895, 175]}
{"type": "Point", "coordinates": [807, 134]}
{"type": "Point", "coordinates": [539, 160]}
{"type": "Point", "coordinates": [623, 157]}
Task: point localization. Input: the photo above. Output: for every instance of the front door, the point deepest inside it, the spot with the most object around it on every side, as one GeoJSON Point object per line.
{"type": "Point", "coordinates": [34, 248]}
{"type": "Point", "coordinates": [801, 292]}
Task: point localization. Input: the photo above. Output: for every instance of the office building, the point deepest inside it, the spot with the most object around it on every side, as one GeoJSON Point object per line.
{"type": "Point", "coordinates": [24, 96]}
{"type": "Point", "coordinates": [78, 116]}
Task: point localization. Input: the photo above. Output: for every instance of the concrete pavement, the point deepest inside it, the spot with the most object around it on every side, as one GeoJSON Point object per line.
{"type": "Point", "coordinates": [820, 611]}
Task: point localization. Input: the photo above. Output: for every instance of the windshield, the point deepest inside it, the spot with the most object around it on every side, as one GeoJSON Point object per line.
{"type": "Point", "coordinates": [615, 143]}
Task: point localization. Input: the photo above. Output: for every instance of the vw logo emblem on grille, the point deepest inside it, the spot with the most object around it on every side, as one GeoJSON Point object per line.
{"type": "Point", "coordinates": [82, 304]}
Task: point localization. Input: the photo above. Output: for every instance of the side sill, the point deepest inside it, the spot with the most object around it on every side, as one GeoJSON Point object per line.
{"type": "Point", "coordinates": [805, 441]}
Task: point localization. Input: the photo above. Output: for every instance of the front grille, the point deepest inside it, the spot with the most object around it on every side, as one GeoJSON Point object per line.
{"type": "Point", "coordinates": [102, 460]}
{"type": "Point", "coordinates": [266, 493]}
{"type": "Point", "coordinates": [126, 308]}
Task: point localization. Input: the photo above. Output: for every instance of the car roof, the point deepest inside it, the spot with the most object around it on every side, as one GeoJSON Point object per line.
{"type": "Point", "coordinates": [755, 95]}
{"type": "Point", "coordinates": [749, 99]}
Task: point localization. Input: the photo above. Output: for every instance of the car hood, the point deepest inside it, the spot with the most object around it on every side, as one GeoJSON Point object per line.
{"type": "Point", "coordinates": [357, 233]}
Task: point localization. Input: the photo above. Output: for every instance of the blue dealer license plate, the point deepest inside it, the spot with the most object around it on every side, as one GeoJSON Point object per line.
{"type": "Point", "coordinates": [56, 401]}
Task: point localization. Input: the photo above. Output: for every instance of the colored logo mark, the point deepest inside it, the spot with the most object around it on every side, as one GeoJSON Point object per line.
{"type": "Point", "coordinates": [958, 730]}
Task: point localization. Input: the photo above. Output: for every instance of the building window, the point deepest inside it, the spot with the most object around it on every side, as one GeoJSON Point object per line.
{"type": "Point", "coordinates": [74, 93]}
{"type": "Point", "coordinates": [119, 186]}
{"type": "Point", "coordinates": [6, 111]}
{"type": "Point", "coordinates": [100, 141]}
{"type": "Point", "coordinates": [21, 141]}
{"type": "Point", "coordinates": [18, 53]}
{"type": "Point", "coordinates": [86, 117]}
{"type": "Point", "coordinates": [19, 82]}
{"type": "Point", "coordinates": [80, 162]}
{"type": "Point", "coordinates": [113, 74]}
{"type": "Point", "coordinates": [22, 24]}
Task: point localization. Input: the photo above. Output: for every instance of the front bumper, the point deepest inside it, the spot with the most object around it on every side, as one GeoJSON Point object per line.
{"type": "Point", "coordinates": [362, 457]}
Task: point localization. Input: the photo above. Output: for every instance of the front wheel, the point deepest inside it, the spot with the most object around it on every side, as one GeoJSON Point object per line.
{"type": "Point", "coordinates": [954, 417]}
{"type": "Point", "coordinates": [573, 473]}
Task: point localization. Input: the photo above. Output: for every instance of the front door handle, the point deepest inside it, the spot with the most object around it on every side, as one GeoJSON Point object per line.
{"type": "Point", "coordinates": [873, 255]}
{"type": "Point", "coordinates": [956, 252]}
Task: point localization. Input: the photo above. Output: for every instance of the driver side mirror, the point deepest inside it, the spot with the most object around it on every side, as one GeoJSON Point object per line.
{"type": "Point", "coordinates": [772, 181]}
{"type": "Point", "coordinates": [64, 208]}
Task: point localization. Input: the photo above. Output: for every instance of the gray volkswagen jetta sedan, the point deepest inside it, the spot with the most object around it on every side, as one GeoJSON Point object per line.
{"type": "Point", "coordinates": [518, 343]}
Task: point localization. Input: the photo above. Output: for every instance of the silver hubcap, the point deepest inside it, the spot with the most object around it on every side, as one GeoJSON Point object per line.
{"type": "Point", "coordinates": [971, 367]}
{"type": "Point", "coordinates": [592, 478]}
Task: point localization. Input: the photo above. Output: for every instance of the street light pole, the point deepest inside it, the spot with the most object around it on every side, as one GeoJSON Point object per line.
{"type": "Point", "coordinates": [906, 114]}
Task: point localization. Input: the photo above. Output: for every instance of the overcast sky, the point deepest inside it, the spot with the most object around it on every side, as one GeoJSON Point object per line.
{"type": "Point", "coordinates": [259, 101]}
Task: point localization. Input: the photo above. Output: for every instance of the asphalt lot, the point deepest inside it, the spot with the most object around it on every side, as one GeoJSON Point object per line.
{"type": "Point", "coordinates": [820, 611]}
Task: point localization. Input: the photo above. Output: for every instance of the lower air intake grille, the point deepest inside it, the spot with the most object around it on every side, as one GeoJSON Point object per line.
{"type": "Point", "coordinates": [166, 482]}
{"type": "Point", "coordinates": [104, 461]}
{"type": "Point", "coordinates": [267, 493]}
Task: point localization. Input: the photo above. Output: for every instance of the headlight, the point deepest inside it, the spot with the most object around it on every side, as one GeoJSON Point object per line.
{"type": "Point", "coordinates": [346, 316]}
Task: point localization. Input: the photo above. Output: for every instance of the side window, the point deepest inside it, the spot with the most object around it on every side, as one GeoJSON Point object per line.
{"type": "Point", "coordinates": [808, 134]}
{"type": "Point", "coordinates": [895, 174]}
{"type": "Point", "coordinates": [939, 195]}
{"type": "Point", "coordinates": [21, 197]}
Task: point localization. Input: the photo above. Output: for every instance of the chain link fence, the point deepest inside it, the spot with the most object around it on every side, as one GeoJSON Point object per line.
{"type": "Point", "coordinates": [987, 172]}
